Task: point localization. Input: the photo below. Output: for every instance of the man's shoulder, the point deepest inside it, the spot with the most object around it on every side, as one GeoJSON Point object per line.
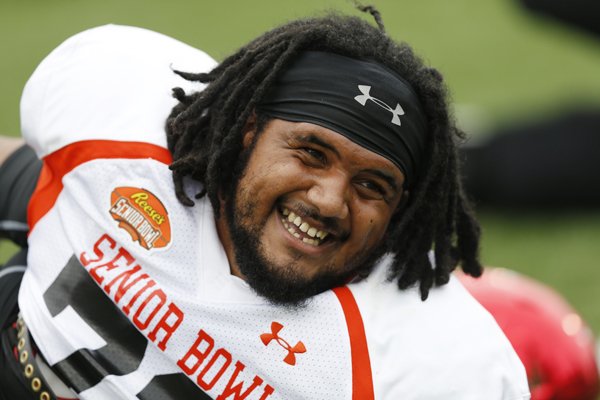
{"type": "Point", "coordinates": [449, 335]}
{"type": "Point", "coordinates": [377, 291]}
{"type": "Point", "coordinates": [107, 83]}
{"type": "Point", "coordinates": [393, 311]}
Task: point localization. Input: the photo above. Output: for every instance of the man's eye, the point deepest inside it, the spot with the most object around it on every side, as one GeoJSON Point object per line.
{"type": "Point", "coordinates": [370, 189]}
{"type": "Point", "coordinates": [314, 154]}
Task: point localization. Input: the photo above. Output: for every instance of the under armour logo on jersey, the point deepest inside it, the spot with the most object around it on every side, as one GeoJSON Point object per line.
{"type": "Point", "coordinates": [290, 358]}
{"type": "Point", "coordinates": [366, 95]}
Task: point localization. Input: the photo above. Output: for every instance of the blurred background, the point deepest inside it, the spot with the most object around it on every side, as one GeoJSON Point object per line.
{"type": "Point", "coordinates": [526, 87]}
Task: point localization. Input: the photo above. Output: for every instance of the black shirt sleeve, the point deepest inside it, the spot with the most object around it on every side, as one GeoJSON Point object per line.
{"type": "Point", "coordinates": [18, 177]}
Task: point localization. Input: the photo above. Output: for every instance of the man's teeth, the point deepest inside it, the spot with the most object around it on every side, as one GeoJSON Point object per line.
{"type": "Point", "coordinates": [304, 227]}
{"type": "Point", "coordinates": [313, 242]}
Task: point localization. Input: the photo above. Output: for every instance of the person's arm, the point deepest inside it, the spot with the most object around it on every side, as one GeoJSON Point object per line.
{"type": "Point", "coordinates": [8, 145]}
{"type": "Point", "coordinates": [19, 172]}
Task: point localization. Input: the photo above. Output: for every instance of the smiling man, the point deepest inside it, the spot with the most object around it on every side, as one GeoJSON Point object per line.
{"type": "Point", "coordinates": [316, 259]}
{"type": "Point", "coordinates": [309, 211]}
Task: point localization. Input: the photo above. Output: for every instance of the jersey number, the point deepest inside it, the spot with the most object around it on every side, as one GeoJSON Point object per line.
{"type": "Point", "coordinates": [125, 345]}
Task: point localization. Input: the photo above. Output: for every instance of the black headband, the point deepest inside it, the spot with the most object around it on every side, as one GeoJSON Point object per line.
{"type": "Point", "coordinates": [362, 100]}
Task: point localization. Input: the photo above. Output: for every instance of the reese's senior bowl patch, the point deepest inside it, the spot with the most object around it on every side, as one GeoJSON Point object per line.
{"type": "Point", "coordinates": [142, 215]}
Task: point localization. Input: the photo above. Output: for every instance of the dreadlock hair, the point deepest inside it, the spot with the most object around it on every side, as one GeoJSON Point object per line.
{"type": "Point", "coordinates": [205, 132]}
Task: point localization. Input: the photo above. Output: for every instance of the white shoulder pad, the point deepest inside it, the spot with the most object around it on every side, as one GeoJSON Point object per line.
{"type": "Point", "coordinates": [107, 83]}
{"type": "Point", "coordinates": [432, 349]}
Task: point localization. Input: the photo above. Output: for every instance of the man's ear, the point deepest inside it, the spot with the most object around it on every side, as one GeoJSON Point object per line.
{"type": "Point", "coordinates": [249, 131]}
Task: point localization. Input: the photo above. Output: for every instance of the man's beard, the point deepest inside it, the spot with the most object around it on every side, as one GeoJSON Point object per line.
{"type": "Point", "coordinates": [280, 285]}
{"type": "Point", "coordinates": [283, 284]}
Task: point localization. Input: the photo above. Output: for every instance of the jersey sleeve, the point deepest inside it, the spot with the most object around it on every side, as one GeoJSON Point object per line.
{"type": "Point", "coordinates": [104, 93]}
{"type": "Point", "coordinates": [107, 83]}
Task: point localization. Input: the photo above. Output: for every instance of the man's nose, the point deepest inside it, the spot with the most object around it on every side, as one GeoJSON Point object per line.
{"type": "Point", "coordinates": [331, 194]}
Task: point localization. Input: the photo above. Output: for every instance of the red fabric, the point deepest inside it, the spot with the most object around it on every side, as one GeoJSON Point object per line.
{"type": "Point", "coordinates": [362, 378]}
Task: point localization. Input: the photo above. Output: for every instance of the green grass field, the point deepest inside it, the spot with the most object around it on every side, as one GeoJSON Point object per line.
{"type": "Point", "coordinates": [499, 60]}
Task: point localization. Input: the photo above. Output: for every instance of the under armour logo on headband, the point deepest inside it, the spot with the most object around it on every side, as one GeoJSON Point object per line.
{"type": "Point", "coordinates": [366, 95]}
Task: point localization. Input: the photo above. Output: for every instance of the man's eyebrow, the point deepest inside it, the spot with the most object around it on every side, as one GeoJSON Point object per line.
{"type": "Point", "coordinates": [318, 141]}
{"type": "Point", "coordinates": [387, 177]}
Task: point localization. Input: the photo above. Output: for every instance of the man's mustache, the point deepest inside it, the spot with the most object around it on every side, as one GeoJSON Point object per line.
{"type": "Point", "coordinates": [330, 224]}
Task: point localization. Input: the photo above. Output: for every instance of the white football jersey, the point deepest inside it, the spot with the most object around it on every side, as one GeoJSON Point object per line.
{"type": "Point", "coordinates": [128, 293]}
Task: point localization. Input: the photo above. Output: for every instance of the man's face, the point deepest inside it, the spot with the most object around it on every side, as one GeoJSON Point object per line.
{"type": "Point", "coordinates": [309, 211]}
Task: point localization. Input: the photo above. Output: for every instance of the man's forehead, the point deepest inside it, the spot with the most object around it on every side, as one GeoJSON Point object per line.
{"type": "Point", "coordinates": [362, 100]}
{"type": "Point", "coordinates": [343, 148]}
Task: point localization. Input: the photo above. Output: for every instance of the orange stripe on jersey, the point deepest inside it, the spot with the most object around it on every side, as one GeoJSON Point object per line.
{"type": "Point", "coordinates": [362, 379]}
{"type": "Point", "coordinates": [58, 164]}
